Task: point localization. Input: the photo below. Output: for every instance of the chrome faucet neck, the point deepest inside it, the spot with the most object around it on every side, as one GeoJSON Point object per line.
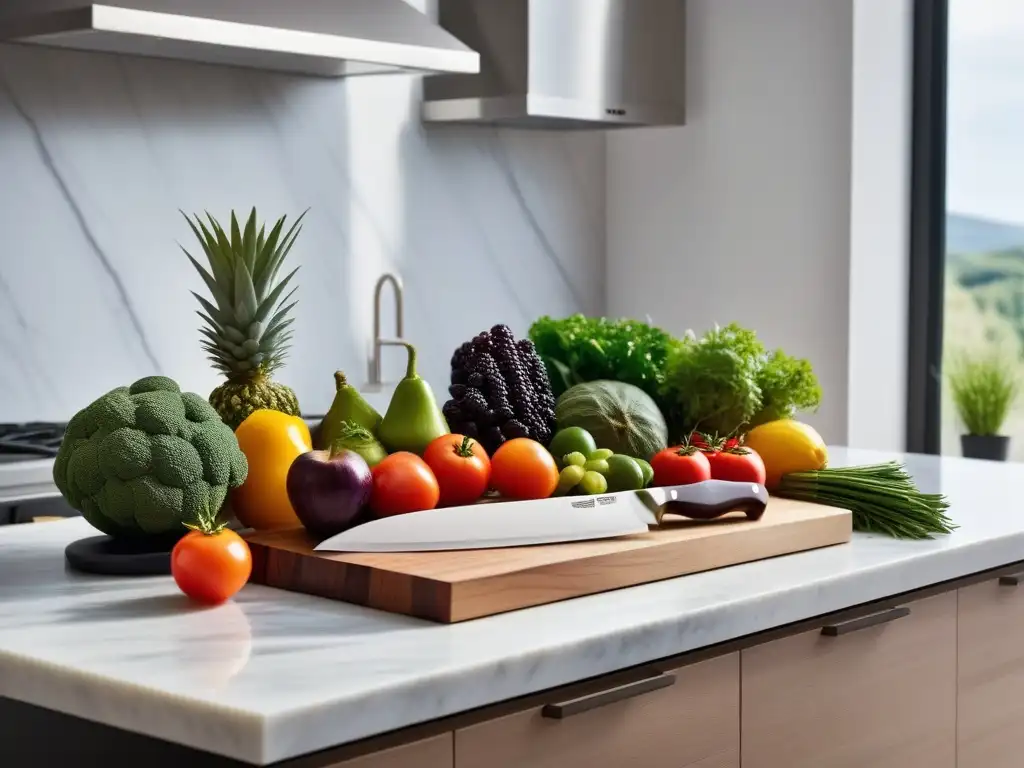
{"type": "Point", "coordinates": [378, 341]}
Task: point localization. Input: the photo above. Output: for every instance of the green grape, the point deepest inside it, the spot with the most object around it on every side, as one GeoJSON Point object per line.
{"type": "Point", "coordinates": [568, 479]}
{"type": "Point", "coordinates": [575, 459]}
{"type": "Point", "coordinates": [601, 453]}
{"type": "Point", "coordinates": [597, 465]}
{"type": "Point", "coordinates": [593, 482]}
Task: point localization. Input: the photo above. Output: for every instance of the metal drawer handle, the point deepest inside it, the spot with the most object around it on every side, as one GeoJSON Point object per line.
{"type": "Point", "coordinates": [1011, 579]}
{"type": "Point", "coordinates": [846, 627]}
{"type": "Point", "coordinates": [572, 707]}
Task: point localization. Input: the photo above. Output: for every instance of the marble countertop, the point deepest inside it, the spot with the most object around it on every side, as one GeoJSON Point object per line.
{"type": "Point", "coordinates": [273, 675]}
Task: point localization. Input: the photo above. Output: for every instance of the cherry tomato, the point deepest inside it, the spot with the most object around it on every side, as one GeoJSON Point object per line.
{"type": "Point", "coordinates": [403, 483]}
{"type": "Point", "coordinates": [739, 463]}
{"type": "Point", "coordinates": [523, 469]}
{"type": "Point", "coordinates": [680, 465]}
{"type": "Point", "coordinates": [211, 565]}
{"type": "Point", "coordinates": [461, 466]}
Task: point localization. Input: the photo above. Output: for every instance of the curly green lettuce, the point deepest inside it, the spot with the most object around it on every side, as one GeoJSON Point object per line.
{"type": "Point", "coordinates": [578, 349]}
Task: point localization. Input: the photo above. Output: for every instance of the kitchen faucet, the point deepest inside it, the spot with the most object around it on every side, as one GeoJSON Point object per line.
{"type": "Point", "coordinates": [379, 342]}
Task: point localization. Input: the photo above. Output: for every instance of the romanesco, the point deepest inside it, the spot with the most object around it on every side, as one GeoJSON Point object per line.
{"type": "Point", "coordinates": [146, 459]}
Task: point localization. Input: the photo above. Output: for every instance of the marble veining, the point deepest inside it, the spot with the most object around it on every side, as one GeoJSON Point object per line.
{"type": "Point", "coordinates": [100, 152]}
{"type": "Point", "coordinates": [272, 675]}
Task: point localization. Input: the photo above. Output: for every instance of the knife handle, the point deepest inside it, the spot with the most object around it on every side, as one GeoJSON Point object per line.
{"type": "Point", "coordinates": [713, 498]}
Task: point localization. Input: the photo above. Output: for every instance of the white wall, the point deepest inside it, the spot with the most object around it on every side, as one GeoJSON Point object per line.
{"type": "Point", "coordinates": [745, 213]}
{"type": "Point", "coordinates": [879, 246]}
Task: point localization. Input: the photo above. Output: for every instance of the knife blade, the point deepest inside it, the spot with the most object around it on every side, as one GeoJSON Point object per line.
{"type": "Point", "coordinates": [548, 521]}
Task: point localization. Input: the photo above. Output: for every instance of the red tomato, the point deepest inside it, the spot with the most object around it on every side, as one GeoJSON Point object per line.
{"type": "Point", "coordinates": [680, 465]}
{"type": "Point", "coordinates": [739, 463]}
{"type": "Point", "coordinates": [211, 567]}
{"type": "Point", "coordinates": [403, 483]}
{"type": "Point", "coordinates": [461, 466]}
{"type": "Point", "coordinates": [523, 469]}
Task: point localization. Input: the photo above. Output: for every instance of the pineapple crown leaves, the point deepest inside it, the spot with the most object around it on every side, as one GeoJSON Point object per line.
{"type": "Point", "coordinates": [248, 323]}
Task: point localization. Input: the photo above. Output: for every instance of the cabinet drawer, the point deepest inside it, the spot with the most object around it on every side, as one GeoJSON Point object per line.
{"type": "Point", "coordinates": [429, 753]}
{"type": "Point", "coordinates": [692, 723]}
{"type": "Point", "coordinates": [878, 693]}
{"type": "Point", "coordinates": [990, 675]}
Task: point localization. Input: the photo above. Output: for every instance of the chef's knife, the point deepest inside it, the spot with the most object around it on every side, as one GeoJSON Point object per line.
{"type": "Point", "coordinates": [548, 521]}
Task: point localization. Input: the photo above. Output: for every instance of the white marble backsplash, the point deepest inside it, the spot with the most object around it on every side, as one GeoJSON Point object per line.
{"type": "Point", "coordinates": [98, 153]}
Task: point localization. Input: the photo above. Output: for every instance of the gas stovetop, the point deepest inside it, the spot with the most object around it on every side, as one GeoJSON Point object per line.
{"type": "Point", "coordinates": [26, 472]}
{"type": "Point", "coordinates": [34, 440]}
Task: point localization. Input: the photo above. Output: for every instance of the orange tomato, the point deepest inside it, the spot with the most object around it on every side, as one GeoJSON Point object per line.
{"type": "Point", "coordinates": [523, 469]}
{"type": "Point", "coordinates": [271, 441]}
{"type": "Point", "coordinates": [403, 483]}
{"type": "Point", "coordinates": [211, 567]}
{"type": "Point", "coordinates": [461, 467]}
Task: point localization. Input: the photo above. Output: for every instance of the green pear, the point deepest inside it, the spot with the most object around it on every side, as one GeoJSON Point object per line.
{"type": "Point", "coordinates": [348, 406]}
{"type": "Point", "coordinates": [413, 419]}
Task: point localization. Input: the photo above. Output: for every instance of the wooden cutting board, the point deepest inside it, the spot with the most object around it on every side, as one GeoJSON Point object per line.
{"type": "Point", "coordinates": [458, 585]}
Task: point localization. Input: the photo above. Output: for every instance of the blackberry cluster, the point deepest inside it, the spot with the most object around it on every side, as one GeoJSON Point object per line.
{"type": "Point", "coordinates": [500, 391]}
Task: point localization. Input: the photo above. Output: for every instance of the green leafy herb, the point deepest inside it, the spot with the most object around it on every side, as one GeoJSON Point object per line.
{"type": "Point", "coordinates": [711, 383]}
{"type": "Point", "coordinates": [788, 385]}
{"type": "Point", "coordinates": [882, 497]}
{"type": "Point", "coordinates": [726, 380]}
{"type": "Point", "coordinates": [577, 349]}
{"type": "Point", "coordinates": [983, 389]}
{"type": "Point", "coordinates": [722, 382]}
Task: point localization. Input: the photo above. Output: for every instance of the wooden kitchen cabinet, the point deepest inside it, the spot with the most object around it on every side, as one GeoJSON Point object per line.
{"type": "Point", "coordinates": [878, 692]}
{"type": "Point", "coordinates": [990, 673]}
{"type": "Point", "coordinates": [429, 753]}
{"type": "Point", "coordinates": [634, 720]}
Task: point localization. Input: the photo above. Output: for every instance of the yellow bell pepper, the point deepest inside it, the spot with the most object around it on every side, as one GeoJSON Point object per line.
{"type": "Point", "coordinates": [271, 441]}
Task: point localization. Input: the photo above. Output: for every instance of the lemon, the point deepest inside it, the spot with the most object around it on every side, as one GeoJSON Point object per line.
{"type": "Point", "coordinates": [787, 446]}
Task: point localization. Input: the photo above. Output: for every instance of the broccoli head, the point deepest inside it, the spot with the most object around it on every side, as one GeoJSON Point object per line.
{"type": "Point", "coordinates": [146, 459]}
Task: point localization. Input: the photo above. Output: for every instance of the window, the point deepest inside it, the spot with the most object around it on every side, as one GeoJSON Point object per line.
{"type": "Point", "coordinates": [967, 261]}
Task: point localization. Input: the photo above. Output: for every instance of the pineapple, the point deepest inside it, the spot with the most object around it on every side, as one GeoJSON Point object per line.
{"type": "Point", "coordinates": [247, 324]}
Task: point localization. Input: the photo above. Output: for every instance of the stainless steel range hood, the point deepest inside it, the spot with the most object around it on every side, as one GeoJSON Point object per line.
{"type": "Point", "coordinates": [318, 37]}
{"type": "Point", "coordinates": [564, 64]}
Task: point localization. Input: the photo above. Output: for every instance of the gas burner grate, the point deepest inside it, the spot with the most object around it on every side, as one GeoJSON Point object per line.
{"type": "Point", "coordinates": [32, 439]}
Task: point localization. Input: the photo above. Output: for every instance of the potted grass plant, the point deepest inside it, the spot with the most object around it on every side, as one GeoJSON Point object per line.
{"type": "Point", "coordinates": [983, 389]}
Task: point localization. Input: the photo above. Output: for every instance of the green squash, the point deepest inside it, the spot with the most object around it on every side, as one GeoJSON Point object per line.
{"type": "Point", "coordinates": [620, 416]}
